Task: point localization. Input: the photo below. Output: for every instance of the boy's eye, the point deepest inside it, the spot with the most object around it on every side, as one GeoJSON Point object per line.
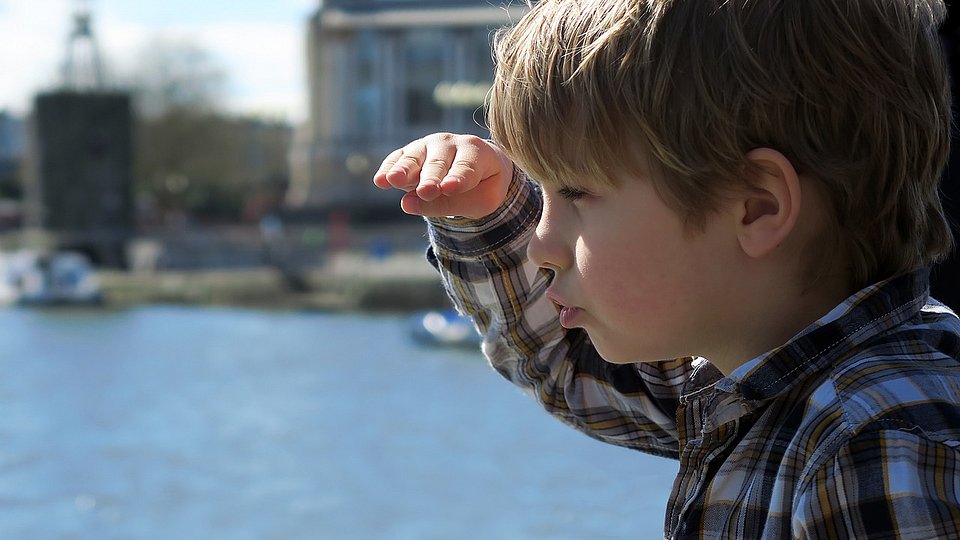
{"type": "Point", "coordinates": [572, 194]}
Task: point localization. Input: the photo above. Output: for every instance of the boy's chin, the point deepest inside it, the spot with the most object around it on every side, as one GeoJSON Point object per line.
{"type": "Point", "coordinates": [624, 355]}
{"type": "Point", "coordinates": [613, 355]}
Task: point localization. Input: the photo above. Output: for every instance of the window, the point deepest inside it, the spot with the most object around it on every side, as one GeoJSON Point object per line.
{"type": "Point", "coordinates": [425, 58]}
{"type": "Point", "coordinates": [368, 97]}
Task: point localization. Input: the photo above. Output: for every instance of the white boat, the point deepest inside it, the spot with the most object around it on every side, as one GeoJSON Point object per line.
{"type": "Point", "coordinates": [38, 278]}
{"type": "Point", "coordinates": [444, 328]}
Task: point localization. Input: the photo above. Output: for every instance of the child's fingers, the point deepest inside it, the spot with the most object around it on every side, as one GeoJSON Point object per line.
{"type": "Point", "coordinates": [463, 174]}
{"type": "Point", "coordinates": [441, 174]}
{"type": "Point", "coordinates": [436, 166]}
{"type": "Point", "coordinates": [380, 178]}
{"type": "Point", "coordinates": [476, 161]}
{"type": "Point", "coordinates": [404, 170]}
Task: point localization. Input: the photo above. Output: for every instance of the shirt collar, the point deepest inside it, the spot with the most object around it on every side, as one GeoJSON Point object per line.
{"type": "Point", "coordinates": [863, 315]}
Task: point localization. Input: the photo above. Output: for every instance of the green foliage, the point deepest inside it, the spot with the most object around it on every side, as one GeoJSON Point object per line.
{"type": "Point", "coordinates": [192, 158]}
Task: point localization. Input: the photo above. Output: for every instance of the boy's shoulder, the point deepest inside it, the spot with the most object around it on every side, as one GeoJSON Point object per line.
{"type": "Point", "coordinates": [906, 379]}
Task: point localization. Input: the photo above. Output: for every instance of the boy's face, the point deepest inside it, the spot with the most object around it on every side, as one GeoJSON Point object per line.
{"type": "Point", "coordinates": [643, 286]}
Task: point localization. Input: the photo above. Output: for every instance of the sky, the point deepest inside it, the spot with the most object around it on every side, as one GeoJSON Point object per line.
{"type": "Point", "coordinates": [259, 44]}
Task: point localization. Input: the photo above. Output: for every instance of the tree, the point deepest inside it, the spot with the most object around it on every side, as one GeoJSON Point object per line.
{"type": "Point", "coordinates": [177, 75]}
{"type": "Point", "coordinates": [191, 157]}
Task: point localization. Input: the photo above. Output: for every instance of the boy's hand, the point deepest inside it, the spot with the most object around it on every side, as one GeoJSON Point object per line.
{"type": "Point", "coordinates": [447, 175]}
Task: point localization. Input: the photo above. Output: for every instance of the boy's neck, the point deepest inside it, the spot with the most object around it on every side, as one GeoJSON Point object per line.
{"type": "Point", "coordinates": [772, 313]}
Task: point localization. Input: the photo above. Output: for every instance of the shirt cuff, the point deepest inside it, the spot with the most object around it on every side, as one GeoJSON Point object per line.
{"type": "Point", "coordinates": [465, 238]}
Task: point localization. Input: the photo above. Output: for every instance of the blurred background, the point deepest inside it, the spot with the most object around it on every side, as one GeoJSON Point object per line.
{"type": "Point", "coordinates": [214, 326]}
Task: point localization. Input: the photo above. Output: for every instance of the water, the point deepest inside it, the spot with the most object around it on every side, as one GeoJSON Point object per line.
{"type": "Point", "coordinates": [183, 423]}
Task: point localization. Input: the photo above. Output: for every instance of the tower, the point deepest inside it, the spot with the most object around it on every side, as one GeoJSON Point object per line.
{"type": "Point", "coordinates": [82, 67]}
{"type": "Point", "coordinates": [80, 191]}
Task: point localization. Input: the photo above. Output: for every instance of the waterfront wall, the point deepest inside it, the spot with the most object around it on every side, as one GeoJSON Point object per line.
{"type": "Point", "coordinates": [349, 281]}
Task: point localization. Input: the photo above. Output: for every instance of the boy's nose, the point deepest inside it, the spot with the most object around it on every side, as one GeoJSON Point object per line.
{"type": "Point", "coordinates": [546, 248]}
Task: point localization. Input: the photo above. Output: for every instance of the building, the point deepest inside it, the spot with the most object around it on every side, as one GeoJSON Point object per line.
{"type": "Point", "coordinates": [11, 160]}
{"type": "Point", "coordinates": [11, 154]}
{"type": "Point", "coordinates": [78, 179]}
{"type": "Point", "coordinates": [11, 150]}
{"type": "Point", "coordinates": [79, 184]}
{"type": "Point", "coordinates": [382, 73]}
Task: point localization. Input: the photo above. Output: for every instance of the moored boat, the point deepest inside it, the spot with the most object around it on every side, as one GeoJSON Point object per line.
{"type": "Point", "coordinates": [443, 328]}
{"type": "Point", "coordinates": [35, 278]}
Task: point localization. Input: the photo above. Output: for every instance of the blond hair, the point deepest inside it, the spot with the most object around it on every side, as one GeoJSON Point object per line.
{"type": "Point", "coordinates": [853, 92]}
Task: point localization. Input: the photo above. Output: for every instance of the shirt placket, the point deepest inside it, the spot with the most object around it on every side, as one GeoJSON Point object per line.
{"type": "Point", "coordinates": [700, 458]}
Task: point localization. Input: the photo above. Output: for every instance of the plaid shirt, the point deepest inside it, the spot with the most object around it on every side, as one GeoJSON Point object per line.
{"type": "Point", "coordinates": [850, 430]}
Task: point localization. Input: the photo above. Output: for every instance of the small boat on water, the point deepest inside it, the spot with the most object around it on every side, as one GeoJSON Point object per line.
{"type": "Point", "coordinates": [445, 328]}
{"type": "Point", "coordinates": [35, 278]}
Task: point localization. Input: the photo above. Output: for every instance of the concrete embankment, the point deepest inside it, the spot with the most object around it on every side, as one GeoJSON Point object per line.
{"type": "Point", "coordinates": [347, 282]}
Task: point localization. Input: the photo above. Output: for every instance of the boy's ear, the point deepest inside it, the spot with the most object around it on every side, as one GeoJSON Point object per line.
{"type": "Point", "coordinates": [767, 212]}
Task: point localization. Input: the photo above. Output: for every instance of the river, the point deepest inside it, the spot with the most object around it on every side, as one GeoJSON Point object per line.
{"type": "Point", "coordinates": [203, 423]}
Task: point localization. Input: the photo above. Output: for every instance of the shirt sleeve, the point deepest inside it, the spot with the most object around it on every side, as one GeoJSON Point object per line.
{"type": "Point", "coordinates": [883, 483]}
{"type": "Point", "coordinates": [486, 272]}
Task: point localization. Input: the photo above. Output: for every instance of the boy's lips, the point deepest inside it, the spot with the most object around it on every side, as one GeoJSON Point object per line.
{"type": "Point", "coordinates": [568, 314]}
{"type": "Point", "coordinates": [569, 317]}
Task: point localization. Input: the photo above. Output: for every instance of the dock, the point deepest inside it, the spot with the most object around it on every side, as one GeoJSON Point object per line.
{"type": "Point", "coordinates": [403, 281]}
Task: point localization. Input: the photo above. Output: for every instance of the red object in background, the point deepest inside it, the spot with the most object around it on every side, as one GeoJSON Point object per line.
{"type": "Point", "coordinates": [338, 230]}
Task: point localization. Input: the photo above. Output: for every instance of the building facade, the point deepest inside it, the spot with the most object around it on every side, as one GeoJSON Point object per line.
{"type": "Point", "coordinates": [382, 73]}
{"type": "Point", "coordinates": [11, 154]}
{"type": "Point", "coordinates": [12, 149]}
{"type": "Point", "coordinates": [79, 185]}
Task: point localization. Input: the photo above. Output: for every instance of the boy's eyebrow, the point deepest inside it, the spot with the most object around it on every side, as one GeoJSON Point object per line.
{"type": "Point", "coordinates": [554, 184]}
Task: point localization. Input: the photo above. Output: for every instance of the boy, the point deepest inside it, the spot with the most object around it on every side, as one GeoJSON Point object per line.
{"type": "Point", "coordinates": [751, 182]}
